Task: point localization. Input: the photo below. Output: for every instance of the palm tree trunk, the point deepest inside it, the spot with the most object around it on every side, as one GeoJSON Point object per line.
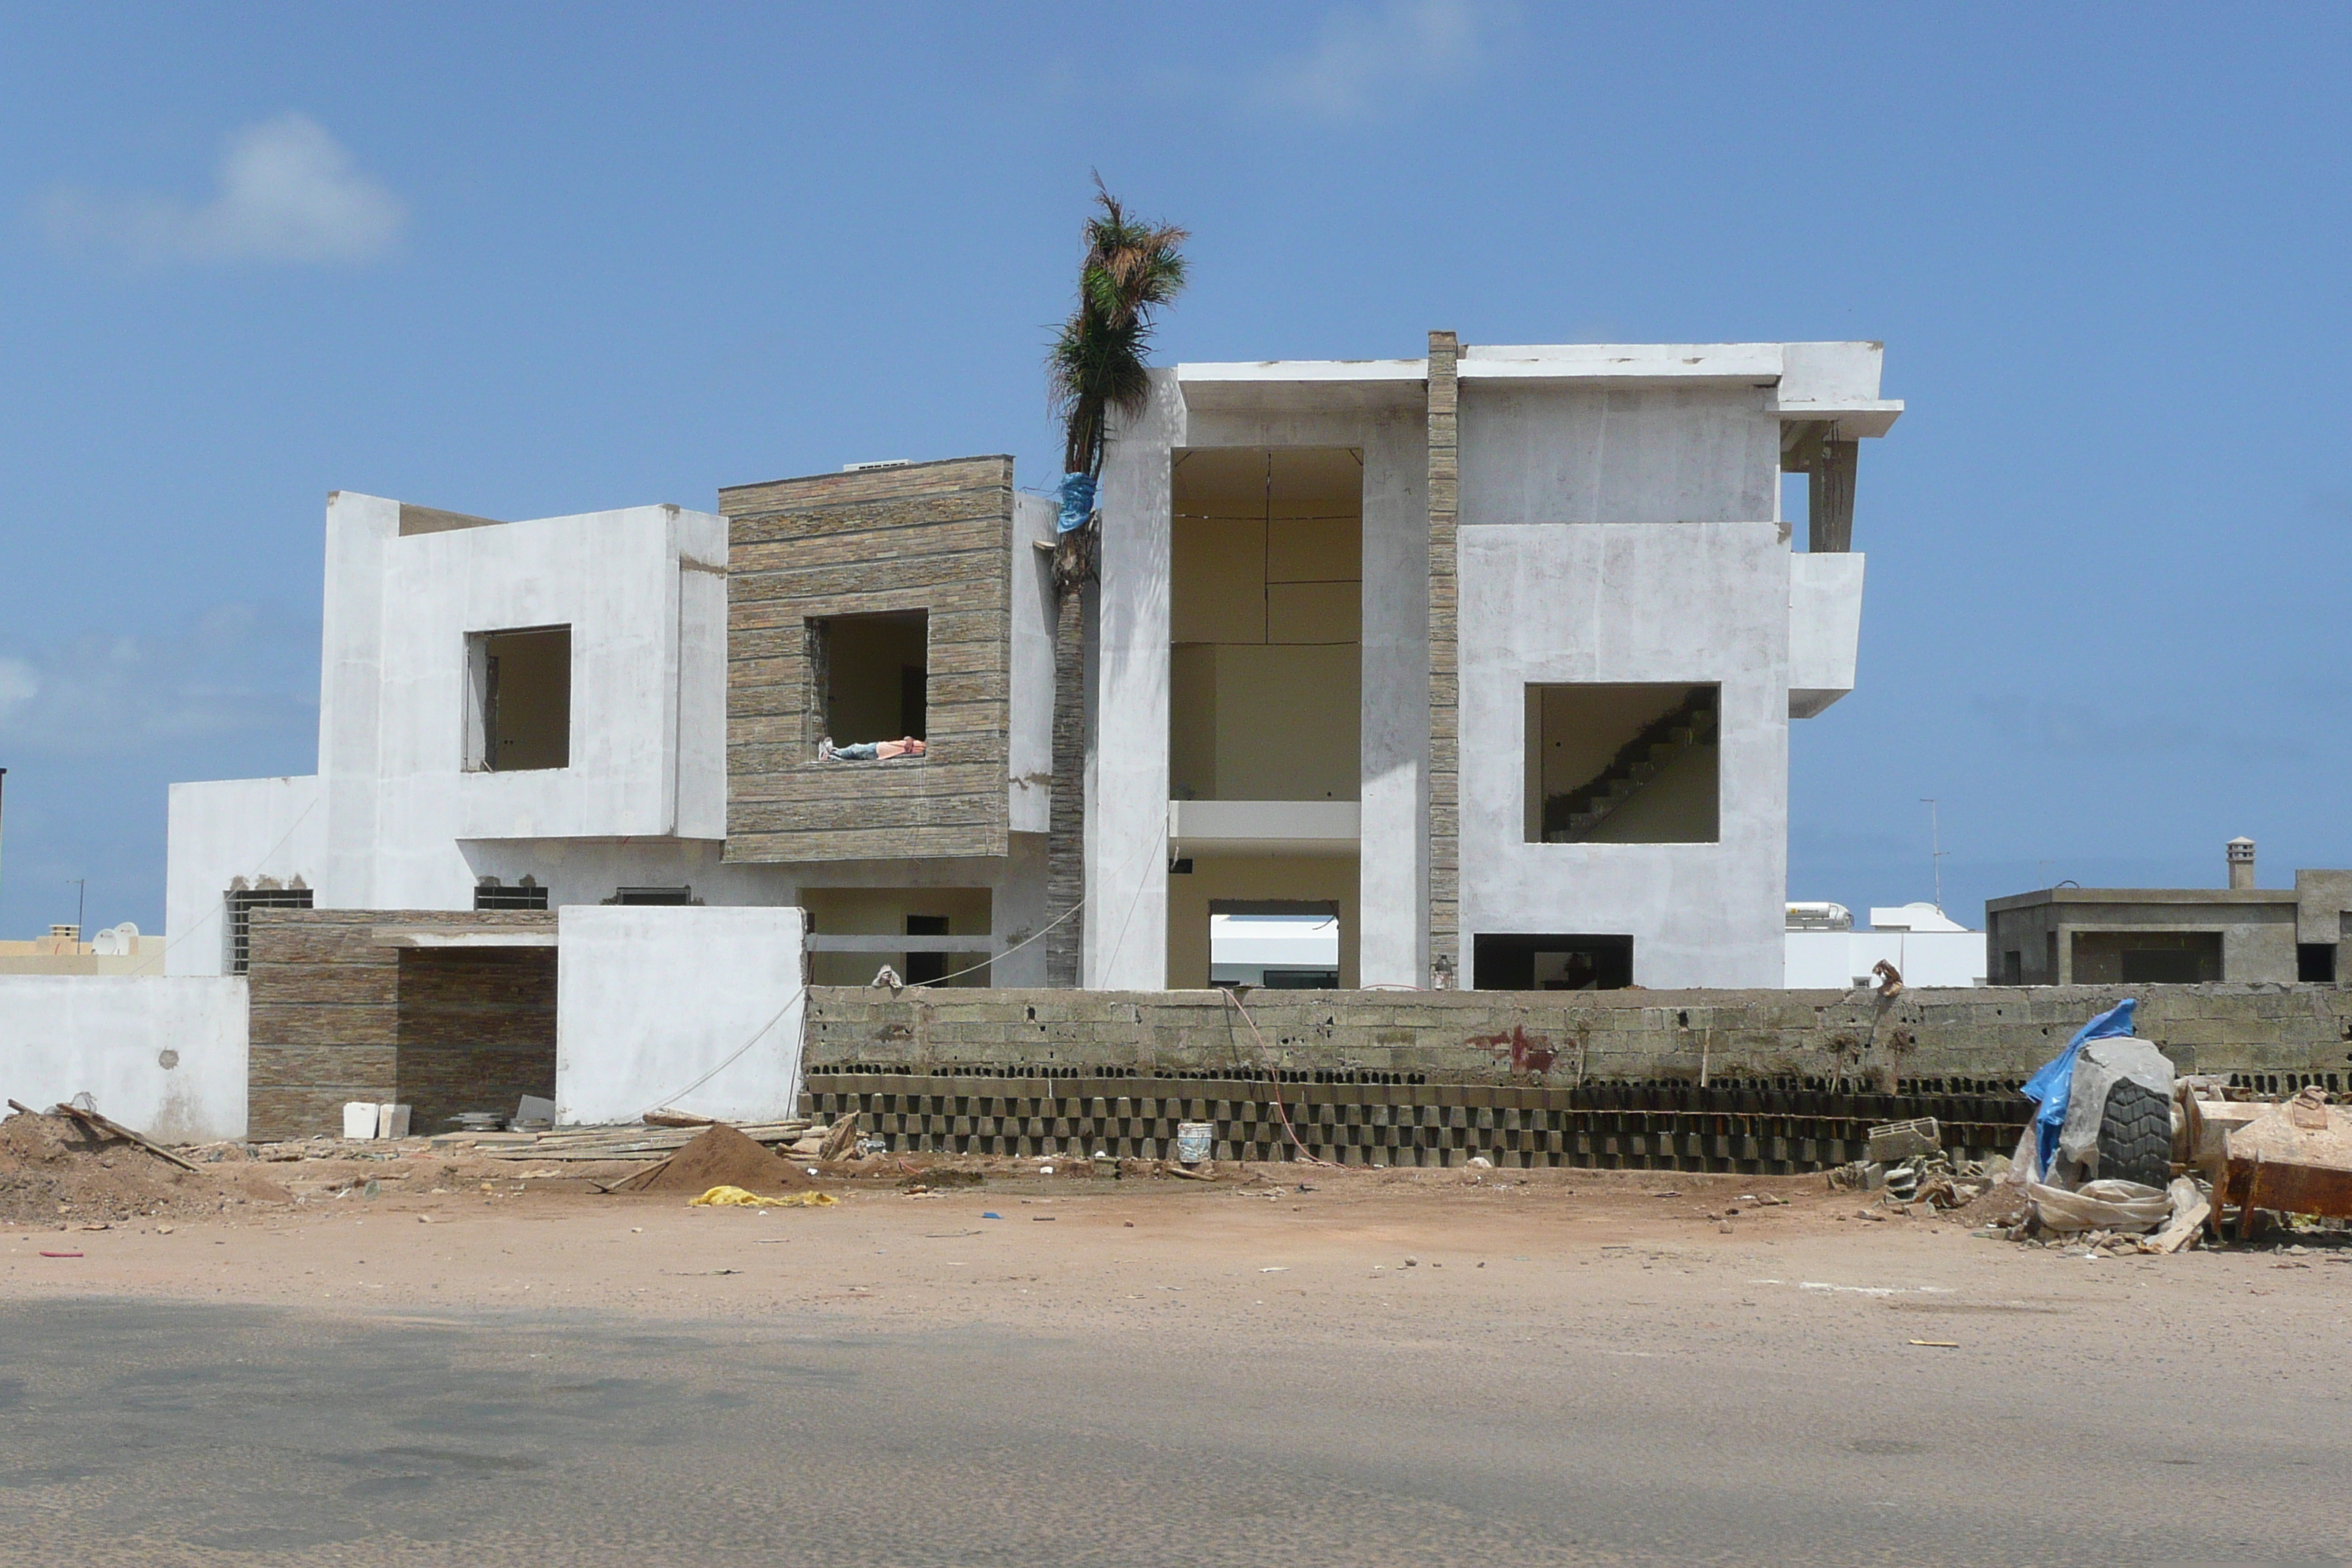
{"type": "Point", "coordinates": [1066, 840]}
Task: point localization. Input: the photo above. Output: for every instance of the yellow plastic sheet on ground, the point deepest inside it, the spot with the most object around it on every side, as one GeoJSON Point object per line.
{"type": "Point", "coordinates": [736, 1197]}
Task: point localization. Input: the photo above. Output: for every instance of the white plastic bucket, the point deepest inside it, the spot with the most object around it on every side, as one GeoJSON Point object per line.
{"type": "Point", "coordinates": [1193, 1140]}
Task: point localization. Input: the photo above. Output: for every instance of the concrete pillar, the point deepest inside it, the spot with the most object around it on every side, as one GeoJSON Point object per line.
{"type": "Point", "coordinates": [1447, 960]}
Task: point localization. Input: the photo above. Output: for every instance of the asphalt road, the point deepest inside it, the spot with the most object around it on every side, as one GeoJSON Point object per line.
{"type": "Point", "coordinates": [146, 1430]}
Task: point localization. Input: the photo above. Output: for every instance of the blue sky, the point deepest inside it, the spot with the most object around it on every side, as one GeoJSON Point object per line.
{"type": "Point", "coordinates": [537, 261]}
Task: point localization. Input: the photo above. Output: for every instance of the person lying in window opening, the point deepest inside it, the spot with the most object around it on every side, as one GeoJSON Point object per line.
{"type": "Point", "coordinates": [868, 750]}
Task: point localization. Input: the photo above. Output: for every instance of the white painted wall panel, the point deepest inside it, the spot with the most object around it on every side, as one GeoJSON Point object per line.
{"type": "Point", "coordinates": [648, 1000]}
{"type": "Point", "coordinates": [219, 831]}
{"type": "Point", "coordinates": [110, 1036]}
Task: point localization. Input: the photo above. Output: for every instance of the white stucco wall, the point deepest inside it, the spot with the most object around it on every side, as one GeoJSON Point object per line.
{"type": "Point", "coordinates": [394, 694]}
{"type": "Point", "coordinates": [1030, 745]}
{"type": "Point", "coordinates": [649, 1000]}
{"type": "Point", "coordinates": [1629, 602]}
{"type": "Point", "coordinates": [1824, 628]}
{"type": "Point", "coordinates": [1834, 959]}
{"type": "Point", "coordinates": [1126, 917]}
{"type": "Point", "coordinates": [222, 830]}
{"type": "Point", "coordinates": [110, 1037]}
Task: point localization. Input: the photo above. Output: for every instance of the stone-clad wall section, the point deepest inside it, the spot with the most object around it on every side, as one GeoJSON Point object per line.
{"type": "Point", "coordinates": [936, 537]}
{"type": "Point", "coordinates": [326, 1025]}
{"type": "Point", "coordinates": [1754, 1080]}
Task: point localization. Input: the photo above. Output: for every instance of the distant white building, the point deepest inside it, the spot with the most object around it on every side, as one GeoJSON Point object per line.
{"type": "Point", "coordinates": [1926, 946]}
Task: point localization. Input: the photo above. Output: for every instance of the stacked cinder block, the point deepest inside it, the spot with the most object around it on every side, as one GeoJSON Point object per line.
{"type": "Point", "coordinates": [1756, 1080]}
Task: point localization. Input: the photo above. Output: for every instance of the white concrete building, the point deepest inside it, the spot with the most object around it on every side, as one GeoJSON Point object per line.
{"type": "Point", "coordinates": [1489, 655]}
{"type": "Point", "coordinates": [1924, 945]}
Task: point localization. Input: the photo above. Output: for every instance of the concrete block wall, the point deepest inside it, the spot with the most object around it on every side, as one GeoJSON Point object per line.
{"type": "Point", "coordinates": [1751, 1080]}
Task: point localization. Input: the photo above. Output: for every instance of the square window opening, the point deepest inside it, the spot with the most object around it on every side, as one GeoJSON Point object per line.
{"type": "Point", "coordinates": [655, 896]}
{"type": "Point", "coordinates": [1623, 763]}
{"type": "Point", "coordinates": [518, 708]}
{"type": "Point", "coordinates": [870, 678]}
{"type": "Point", "coordinates": [2314, 962]}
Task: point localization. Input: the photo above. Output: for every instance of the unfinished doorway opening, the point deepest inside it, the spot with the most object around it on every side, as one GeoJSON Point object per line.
{"type": "Point", "coordinates": [518, 713]}
{"type": "Point", "coordinates": [872, 675]}
{"type": "Point", "coordinates": [1265, 585]}
{"type": "Point", "coordinates": [1623, 764]}
{"type": "Point", "coordinates": [475, 1030]}
{"type": "Point", "coordinates": [854, 932]}
{"type": "Point", "coordinates": [1282, 920]}
{"type": "Point", "coordinates": [1282, 944]}
{"type": "Point", "coordinates": [2146, 958]}
{"type": "Point", "coordinates": [1519, 963]}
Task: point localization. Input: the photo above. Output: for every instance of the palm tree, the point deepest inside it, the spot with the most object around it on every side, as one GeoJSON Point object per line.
{"type": "Point", "coordinates": [1130, 270]}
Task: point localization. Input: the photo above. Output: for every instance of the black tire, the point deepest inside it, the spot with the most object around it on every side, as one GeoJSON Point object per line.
{"type": "Point", "coordinates": [2136, 1136]}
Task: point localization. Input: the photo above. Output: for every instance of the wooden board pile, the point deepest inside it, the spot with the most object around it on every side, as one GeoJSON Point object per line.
{"type": "Point", "coordinates": [633, 1141]}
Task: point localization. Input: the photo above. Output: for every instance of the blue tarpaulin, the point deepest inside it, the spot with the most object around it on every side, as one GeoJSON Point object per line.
{"type": "Point", "coordinates": [1078, 502]}
{"type": "Point", "coordinates": [2051, 1086]}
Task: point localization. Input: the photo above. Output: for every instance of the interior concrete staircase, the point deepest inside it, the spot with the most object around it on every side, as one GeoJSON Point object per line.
{"type": "Point", "coordinates": [1571, 817]}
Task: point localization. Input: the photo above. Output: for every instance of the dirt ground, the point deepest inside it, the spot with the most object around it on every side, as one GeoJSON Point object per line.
{"type": "Point", "coordinates": [409, 1226]}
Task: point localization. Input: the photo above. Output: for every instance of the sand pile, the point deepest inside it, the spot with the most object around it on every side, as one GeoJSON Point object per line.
{"type": "Point", "coordinates": [720, 1157]}
{"type": "Point", "coordinates": [54, 1170]}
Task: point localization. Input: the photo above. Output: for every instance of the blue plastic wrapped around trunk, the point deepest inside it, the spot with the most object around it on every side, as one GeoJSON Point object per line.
{"type": "Point", "coordinates": [2054, 1084]}
{"type": "Point", "coordinates": [1078, 502]}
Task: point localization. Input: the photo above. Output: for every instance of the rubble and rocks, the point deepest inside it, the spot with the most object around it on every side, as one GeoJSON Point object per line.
{"type": "Point", "coordinates": [64, 1169]}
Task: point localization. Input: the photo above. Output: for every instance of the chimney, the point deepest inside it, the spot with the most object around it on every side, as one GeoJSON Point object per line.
{"type": "Point", "coordinates": [2242, 863]}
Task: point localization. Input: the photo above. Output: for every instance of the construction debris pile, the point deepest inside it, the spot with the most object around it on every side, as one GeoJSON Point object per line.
{"type": "Point", "coordinates": [71, 1167]}
{"type": "Point", "coordinates": [2123, 1155]}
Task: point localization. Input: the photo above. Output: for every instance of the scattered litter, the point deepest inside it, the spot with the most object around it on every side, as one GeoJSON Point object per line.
{"type": "Point", "coordinates": [736, 1197]}
{"type": "Point", "coordinates": [1040, 1218]}
{"type": "Point", "coordinates": [61, 1255]}
{"type": "Point", "coordinates": [991, 1215]}
{"type": "Point", "coordinates": [1936, 1345]}
{"type": "Point", "coordinates": [1280, 1269]}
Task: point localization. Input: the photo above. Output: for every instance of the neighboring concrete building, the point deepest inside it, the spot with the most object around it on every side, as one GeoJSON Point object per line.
{"type": "Point", "coordinates": [1926, 946]}
{"type": "Point", "coordinates": [1490, 654]}
{"type": "Point", "coordinates": [117, 950]}
{"type": "Point", "coordinates": [2242, 933]}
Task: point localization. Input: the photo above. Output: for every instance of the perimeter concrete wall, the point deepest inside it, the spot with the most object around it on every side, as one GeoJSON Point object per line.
{"type": "Point", "coordinates": [165, 1055]}
{"type": "Point", "coordinates": [1928, 1038]}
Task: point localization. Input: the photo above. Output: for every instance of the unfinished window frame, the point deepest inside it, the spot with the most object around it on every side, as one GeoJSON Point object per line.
{"type": "Point", "coordinates": [819, 657]}
{"type": "Point", "coordinates": [482, 740]}
{"type": "Point", "coordinates": [1567, 817]}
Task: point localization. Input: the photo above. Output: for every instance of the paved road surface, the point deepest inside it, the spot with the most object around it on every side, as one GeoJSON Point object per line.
{"type": "Point", "coordinates": [160, 1431]}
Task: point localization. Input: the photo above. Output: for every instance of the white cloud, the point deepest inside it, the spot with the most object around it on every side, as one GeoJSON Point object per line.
{"type": "Point", "coordinates": [18, 686]}
{"type": "Point", "coordinates": [1363, 59]}
{"type": "Point", "coordinates": [287, 192]}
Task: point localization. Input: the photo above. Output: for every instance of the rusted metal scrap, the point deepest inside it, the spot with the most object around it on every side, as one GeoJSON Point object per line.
{"type": "Point", "coordinates": [2297, 1158]}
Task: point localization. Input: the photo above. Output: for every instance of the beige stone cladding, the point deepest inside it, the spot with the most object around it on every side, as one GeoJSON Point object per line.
{"type": "Point", "coordinates": [930, 537]}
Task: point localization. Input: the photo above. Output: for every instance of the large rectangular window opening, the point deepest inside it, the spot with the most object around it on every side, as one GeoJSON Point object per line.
{"type": "Point", "coordinates": [2148, 958]}
{"type": "Point", "coordinates": [870, 677]}
{"type": "Point", "coordinates": [518, 708]}
{"type": "Point", "coordinates": [1623, 764]}
{"type": "Point", "coordinates": [1265, 612]}
{"type": "Point", "coordinates": [1517, 963]}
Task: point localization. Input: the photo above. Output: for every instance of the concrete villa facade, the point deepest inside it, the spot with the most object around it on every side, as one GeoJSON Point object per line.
{"type": "Point", "coordinates": [1492, 653]}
